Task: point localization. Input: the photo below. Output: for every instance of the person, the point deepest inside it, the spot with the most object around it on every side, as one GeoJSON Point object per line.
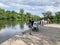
{"type": "Point", "coordinates": [31, 21]}
{"type": "Point", "coordinates": [42, 21]}
{"type": "Point", "coordinates": [48, 21]}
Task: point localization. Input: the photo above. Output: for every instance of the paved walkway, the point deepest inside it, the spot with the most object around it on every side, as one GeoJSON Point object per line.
{"type": "Point", "coordinates": [45, 36]}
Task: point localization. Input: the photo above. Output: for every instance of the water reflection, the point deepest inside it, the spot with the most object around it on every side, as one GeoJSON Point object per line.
{"type": "Point", "coordinates": [11, 28]}
{"type": "Point", "coordinates": [5, 23]}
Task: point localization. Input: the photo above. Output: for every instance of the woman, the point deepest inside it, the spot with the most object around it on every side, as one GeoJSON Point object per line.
{"type": "Point", "coordinates": [42, 21]}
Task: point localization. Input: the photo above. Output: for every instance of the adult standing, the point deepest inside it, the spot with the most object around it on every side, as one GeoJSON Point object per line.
{"type": "Point", "coordinates": [48, 21]}
{"type": "Point", "coordinates": [31, 21]}
{"type": "Point", "coordinates": [42, 21]}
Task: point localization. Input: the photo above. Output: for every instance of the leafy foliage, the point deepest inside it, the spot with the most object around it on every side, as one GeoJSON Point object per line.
{"type": "Point", "coordinates": [12, 15]}
{"type": "Point", "coordinates": [54, 18]}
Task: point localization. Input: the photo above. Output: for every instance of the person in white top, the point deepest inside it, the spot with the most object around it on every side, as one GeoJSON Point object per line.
{"type": "Point", "coordinates": [42, 21]}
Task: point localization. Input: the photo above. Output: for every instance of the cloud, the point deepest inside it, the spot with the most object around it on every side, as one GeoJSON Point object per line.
{"type": "Point", "coordinates": [3, 5]}
{"type": "Point", "coordinates": [33, 6]}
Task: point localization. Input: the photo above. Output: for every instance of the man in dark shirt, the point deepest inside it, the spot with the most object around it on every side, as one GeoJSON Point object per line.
{"type": "Point", "coordinates": [31, 25]}
{"type": "Point", "coordinates": [32, 21]}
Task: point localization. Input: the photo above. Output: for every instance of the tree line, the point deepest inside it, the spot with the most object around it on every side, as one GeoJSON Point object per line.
{"type": "Point", "coordinates": [12, 15]}
{"type": "Point", "coordinates": [55, 18]}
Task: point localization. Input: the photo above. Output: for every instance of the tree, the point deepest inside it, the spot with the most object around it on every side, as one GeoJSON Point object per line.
{"type": "Point", "coordinates": [47, 14]}
{"type": "Point", "coordinates": [8, 14]}
{"type": "Point", "coordinates": [21, 12]}
{"type": "Point", "coordinates": [28, 16]}
{"type": "Point", "coordinates": [2, 13]}
{"type": "Point", "coordinates": [57, 14]}
{"type": "Point", "coordinates": [12, 15]}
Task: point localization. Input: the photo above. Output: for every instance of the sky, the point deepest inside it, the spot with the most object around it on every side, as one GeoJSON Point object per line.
{"type": "Point", "coordinates": [36, 7]}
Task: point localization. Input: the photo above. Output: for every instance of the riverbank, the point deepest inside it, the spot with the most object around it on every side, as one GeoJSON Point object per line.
{"type": "Point", "coordinates": [45, 36]}
{"type": "Point", "coordinates": [26, 39]}
{"type": "Point", "coordinates": [53, 25]}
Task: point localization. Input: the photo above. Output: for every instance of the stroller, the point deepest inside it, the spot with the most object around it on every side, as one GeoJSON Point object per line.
{"type": "Point", "coordinates": [35, 27]}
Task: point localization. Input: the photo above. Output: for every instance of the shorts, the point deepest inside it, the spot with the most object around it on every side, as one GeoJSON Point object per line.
{"type": "Point", "coordinates": [30, 26]}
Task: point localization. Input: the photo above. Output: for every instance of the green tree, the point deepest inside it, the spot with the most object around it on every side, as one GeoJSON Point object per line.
{"type": "Point", "coordinates": [2, 13]}
{"type": "Point", "coordinates": [57, 14]}
{"type": "Point", "coordinates": [47, 14]}
{"type": "Point", "coordinates": [28, 16]}
{"type": "Point", "coordinates": [21, 12]}
{"type": "Point", "coordinates": [12, 15]}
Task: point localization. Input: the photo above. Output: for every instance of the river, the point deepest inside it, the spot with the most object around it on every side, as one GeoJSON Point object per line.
{"type": "Point", "coordinates": [10, 28]}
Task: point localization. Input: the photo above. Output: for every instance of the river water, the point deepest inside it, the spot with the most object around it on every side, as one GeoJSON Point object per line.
{"type": "Point", "coordinates": [10, 28]}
